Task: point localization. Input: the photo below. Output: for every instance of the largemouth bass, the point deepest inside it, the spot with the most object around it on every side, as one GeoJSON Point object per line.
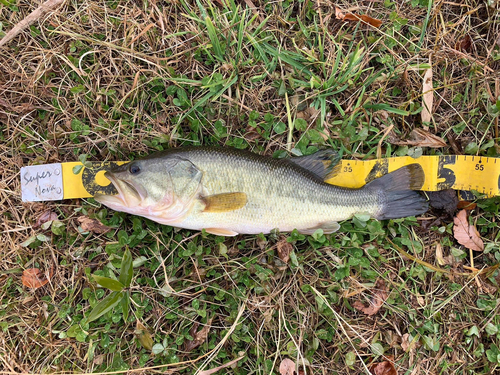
{"type": "Point", "coordinates": [228, 191]}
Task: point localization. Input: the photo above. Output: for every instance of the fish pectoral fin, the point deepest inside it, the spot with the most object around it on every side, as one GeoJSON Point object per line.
{"type": "Point", "coordinates": [328, 228]}
{"type": "Point", "coordinates": [221, 232]}
{"type": "Point", "coordinates": [224, 202]}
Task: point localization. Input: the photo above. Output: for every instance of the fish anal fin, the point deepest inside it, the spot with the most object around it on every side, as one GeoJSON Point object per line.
{"type": "Point", "coordinates": [323, 164]}
{"type": "Point", "coordinates": [224, 202]}
{"type": "Point", "coordinates": [328, 228]}
{"type": "Point", "coordinates": [221, 232]}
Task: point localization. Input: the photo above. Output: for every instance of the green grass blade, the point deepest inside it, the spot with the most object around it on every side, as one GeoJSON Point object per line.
{"type": "Point", "coordinates": [209, 96]}
{"type": "Point", "coordinates": [104, 306]}
{"type": "Point", "coordinates": [241, 33]}
{"type": "Point", "coordinates": [426, 22]}
{"type": "Point", "coordinates": [322, 101]}
{"type": "Point", "coordinates": [127, 270]}
{"type": "Point", "coordinates": [261, 25]}
{"type": "Point", "coordinates": [388, 108]}
{"type": "Point", "coordinates": [338, 106]}
{"type": "Point", "coordinates": [125, 305]}
{"type": "Point", "coordinates": [290, 58]}
{"type": "Point", "coordinates": [214, 39]}
{"type": "Point", "coordinates": [259, 49]}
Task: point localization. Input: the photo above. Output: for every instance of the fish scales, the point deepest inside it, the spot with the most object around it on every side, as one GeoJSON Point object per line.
{"type": "Point", "coordinates": [279, 194]}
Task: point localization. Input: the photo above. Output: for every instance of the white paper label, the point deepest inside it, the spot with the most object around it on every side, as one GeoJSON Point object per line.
{"type": "Point", "coordinates": [42, 183]}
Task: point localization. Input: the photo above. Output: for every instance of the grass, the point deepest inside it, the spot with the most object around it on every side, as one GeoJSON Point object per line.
{"type": "Point", "coordinates": [117, 80]}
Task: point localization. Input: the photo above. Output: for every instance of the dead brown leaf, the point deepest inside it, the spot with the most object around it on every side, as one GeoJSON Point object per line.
{"type": "Point", "coordinates": [47, 6]}
{"type": "Point", "coordinates": [384, 368]}
{"type": "Point", "coordinates": [405, 343]}
{"type": "Point", "coordinates": [251, 134]}
{"type": "Point", "coordinates": [339, 14]}
{"type": "Point", "coordinates": [287, 367]}
{"type": "Point", "coordinates": [380, 294]}
{"type": "Point", "coordinates": [309, 114]}
{"type": "Point", "coordinates": [143, 335]}
{"type": "Point", "coordinates": [427, 95]}
{"type": "Point", "coordinates": [466, 205]}
{"type": "Point", "coordinates": [354, 17]}
{"type": "Point", "coordinates": [367, 19]}
{"type": "Point", "coordinates": [419, 138]}
{"type": "Point", "coordinates": [93, 225]}
{"type": "Point", "coordinates": [198, 337]}
{"type": "Point", "coordinates": [45, 217]}
{"type": "Point", "coordinates": [465, 233]}
{"type": "Point", "coordinates": [34, 278]}
{"type": "Point", "coordinates": [284, 250]}
{"type": "Point", "coordinates": [99, 359]}
{"type": "Point", "coordinates": [464, 44]}
{"type": "Point", "coordinates": [446, 200]}
{"type": "Point", "coordinates": [422, 138]}
{"type": "Point", "coordinates": [439, 254]}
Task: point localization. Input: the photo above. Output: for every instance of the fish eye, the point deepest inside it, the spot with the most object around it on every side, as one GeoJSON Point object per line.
{"type": "Point", "coordinates": [134, 169]}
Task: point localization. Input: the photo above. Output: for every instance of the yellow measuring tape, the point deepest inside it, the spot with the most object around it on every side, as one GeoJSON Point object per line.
{"type": "Point", "coordinates": [441, 172]}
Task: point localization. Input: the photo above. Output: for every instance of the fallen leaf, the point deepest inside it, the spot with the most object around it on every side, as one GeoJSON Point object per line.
{"type": "Point", "coordinates": [419, 138]}
{"type": "Point", "coordinates": [422, 138]}
{"type": "Point", "coordinates": [446, 200]}
{"type": "Point", "coordinates": [428, 95]}
{"type": "Point", "coordinates": [456, 147]}
{"type": "Point", "coordinates": [93, 225]}
{"type": "Point", "coordinates": [34, 278]}
{"type": "Point", "coordinates": [464, 44]}
{"type": "Point", "coordinates": [384, 368]}
{"type": "Point", "coordinates": [339, 14]}
{"type": "Point", "coordinates": [309, 114]}
{"type": "Point", "coordinates": [367, 19]}
{"type": "Point", "coordinates": [405, 343]}
{"type": "Point", "coordinates": [466, 205]}
{"type": "Point", "coordinates": [465, 233]}
{"type": "Point", "coordinates": [379, 296]}
{"type": "Point", "coordinates": [99, 359]}
{"type": "Point", "coordinates": [439, 254]}
{"type": "Point", "coordinates": [198, 337]}
{"type": "Point", "coordinates": [251, 134]}
{"type": "Point", "coordinates": [45, 218]}
{"type": "Point", "coordinates": [143, 335]}
{"type": "Point", "coordinates": [287, 367]}
{"type": "Point", "coordinates": [284, 250]}
{"type": "Point", "coordinates": [215, 369]}
{"type": "Point", "coordinates": [38, 13]}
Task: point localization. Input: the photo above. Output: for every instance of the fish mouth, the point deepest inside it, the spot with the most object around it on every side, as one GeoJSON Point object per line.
{"type": "Point", "coordinates": [128, 195]}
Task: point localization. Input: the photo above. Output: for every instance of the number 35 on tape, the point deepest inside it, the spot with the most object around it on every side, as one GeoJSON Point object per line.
{"type": "Point", "coordinates": [58, 181]}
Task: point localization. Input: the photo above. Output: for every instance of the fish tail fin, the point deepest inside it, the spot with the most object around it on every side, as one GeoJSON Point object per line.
{"type": "Point", "coordinates": [396, 191]}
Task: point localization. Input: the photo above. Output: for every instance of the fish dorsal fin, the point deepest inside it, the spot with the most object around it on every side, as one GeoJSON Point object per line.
{"type": "Point", "coordinates": [221, 232]}
{"type": "Point", "coordinates": [224, 202]}
{"type": "Point", "coordinates": [328, 227]}
{"type": "Point", "coordinates": [323, 164]}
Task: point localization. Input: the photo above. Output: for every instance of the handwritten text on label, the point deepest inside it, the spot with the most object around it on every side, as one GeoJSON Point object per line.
{"type": "Point", "coordinates": [42, 183]}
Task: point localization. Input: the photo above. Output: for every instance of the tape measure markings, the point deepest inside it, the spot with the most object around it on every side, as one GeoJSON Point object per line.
{"type": "Point", "coordinates": [462, 172]}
